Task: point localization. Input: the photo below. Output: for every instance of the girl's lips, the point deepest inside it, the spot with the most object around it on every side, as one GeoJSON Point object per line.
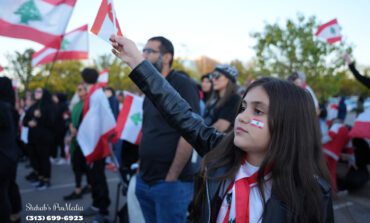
{"type": "Point", "coordinates": [240, 129]}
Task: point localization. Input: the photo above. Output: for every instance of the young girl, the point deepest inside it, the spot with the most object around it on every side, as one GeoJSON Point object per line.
{"type": "Point", "coordinates": [269, 169]}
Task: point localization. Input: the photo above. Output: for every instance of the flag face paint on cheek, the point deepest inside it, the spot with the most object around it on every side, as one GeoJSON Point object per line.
{"type": "Point", "coordinates": [257, 123]}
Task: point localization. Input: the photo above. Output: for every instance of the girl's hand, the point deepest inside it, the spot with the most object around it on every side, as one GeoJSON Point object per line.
{"type": "Point", "coordinates": [347, 59]}
{"type": "Point", "coordinates": [126, 50]}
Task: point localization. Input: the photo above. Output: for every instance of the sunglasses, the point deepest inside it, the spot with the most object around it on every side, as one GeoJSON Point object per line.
{"type": "Point", "coordinates": [150, 51]}
{"type": "Point", "coordinates": [215, 75]}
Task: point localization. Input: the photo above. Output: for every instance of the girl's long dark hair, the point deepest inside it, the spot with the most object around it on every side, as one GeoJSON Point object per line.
{"type": "Point", "coordinates": [294, 154]}
{"type": "Point", "coordinates": [231, 88]}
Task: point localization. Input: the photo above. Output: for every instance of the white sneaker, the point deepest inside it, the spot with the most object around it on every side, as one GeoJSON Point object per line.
{"type": "Point", "coordinates": [61, 161]}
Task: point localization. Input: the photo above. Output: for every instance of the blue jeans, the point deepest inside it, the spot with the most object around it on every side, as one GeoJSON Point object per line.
{"type": "Point", "coordinates": [164, 201]}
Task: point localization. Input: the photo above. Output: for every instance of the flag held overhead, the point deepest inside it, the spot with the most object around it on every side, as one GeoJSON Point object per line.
{"type": "Point", "coordinates": [106, 23]}
{"type": "Point", "coordinates": [330, 31]}
{"type": "Point", "coordinates": [42, 21]}
{"type": "Point", "coordinates": [74, 46]}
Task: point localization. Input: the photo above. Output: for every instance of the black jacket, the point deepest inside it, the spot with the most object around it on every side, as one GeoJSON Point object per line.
{"type": "Point", "coordinates": [203, 138]}
{"type": "Point", "coordinates": [43, 132]}
{"type": "Point", "coordinates": [361, 78]}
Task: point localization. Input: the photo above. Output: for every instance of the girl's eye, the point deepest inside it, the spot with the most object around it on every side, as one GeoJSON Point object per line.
{"type": "Point", "coordinates": [258, 112]}
{"type": "Point", "coordinates": [242, 108]}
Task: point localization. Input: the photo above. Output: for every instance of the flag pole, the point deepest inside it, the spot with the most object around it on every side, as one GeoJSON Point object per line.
{"type": "Point", "coordinates": [52, 66]}
{"type": "Point", "coordinates": [114, 18]}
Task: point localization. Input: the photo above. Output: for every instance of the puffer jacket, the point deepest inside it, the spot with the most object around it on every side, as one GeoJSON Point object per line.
{"type": "Point", "coordinates": [203, 138]}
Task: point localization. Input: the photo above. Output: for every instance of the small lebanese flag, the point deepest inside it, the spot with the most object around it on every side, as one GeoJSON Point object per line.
{"type": "Point", "coordinates": [42, 21]}
{"type": "Point", "coordinates": [75, 46]}
{"type": "Point", "coordinates": [330, 32]}
{"type": "Point", "coordinates": [130, 119]}
{"type": "Point", "coordinates": [97, 126]}
{"type": "Point", "coordinates": [103, 77]}
{"type": "Point", "coordinates": [1, 68]}
{"type": "Point", "coordinates": [257, 123]}
{"type": "Point", "coordinates": [332, 111]}
{"type": "Point", "coordinates": [106, 23]}
{"type": "Point", "coordinates": [361, 126]}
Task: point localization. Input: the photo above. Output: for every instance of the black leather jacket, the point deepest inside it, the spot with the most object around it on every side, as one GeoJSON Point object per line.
{"type": "Point", "coordinates": [203, 138]}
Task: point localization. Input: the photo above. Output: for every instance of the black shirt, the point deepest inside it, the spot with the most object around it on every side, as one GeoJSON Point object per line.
{"type": "Point", "coordinates": [159, 140]}
{"type": "Point", "coordinates": [227, 111]}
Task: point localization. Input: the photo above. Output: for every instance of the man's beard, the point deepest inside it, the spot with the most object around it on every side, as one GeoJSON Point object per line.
{"type": "Point", "coordinates": [159, 64]}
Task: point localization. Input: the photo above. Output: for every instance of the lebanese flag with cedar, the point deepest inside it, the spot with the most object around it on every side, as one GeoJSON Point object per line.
{"type": "Point", "coordinates": [97, 126]}
{"type": "Point", "coordinates": [330, 32]}
{"type": "Point", "coordinates": [42, 21]}
{"type": "Point", "coordinates": [361, 126]}
{"type": "Point", "coordinates": [106, 23]}
{"type": "Point", "coordinates": [103, 77]}
{"type": "Point", "coordinates": [130, 119]}
{"type": "Point", "coordinates": [75, 46]}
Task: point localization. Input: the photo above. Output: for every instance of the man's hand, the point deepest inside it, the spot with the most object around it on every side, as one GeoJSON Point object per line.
{"type": "Point", "coordinates": [73, 131]}
{"type": "Point", "coordinates": [126, 50]}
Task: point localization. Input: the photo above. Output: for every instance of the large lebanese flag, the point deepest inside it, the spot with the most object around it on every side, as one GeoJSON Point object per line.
{"type": "Point", "coordinates": [130, 119]}
{"type": "Point", "coordinates": [75, 46]}
{"type": "Point", "coordinates": [97, 126]}
{"type": "Point", "coordinates": [42, 21]}
{"type": "Point", "coordinates": [330, 32]}
{"type": "Point", "coordinates": [361, 126]}
{"type": "Point", "coordinates": [106, 23]}
{"type": "Point", "coordinates": [103, 77]}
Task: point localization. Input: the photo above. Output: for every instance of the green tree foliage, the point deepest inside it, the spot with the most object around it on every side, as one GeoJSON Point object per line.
{"type": "Point", "coordinates": [64, 77]}
{"type": "Point", "coordinates": [20, 66]}
{"type": "Point", "coordinates": [281, 50]}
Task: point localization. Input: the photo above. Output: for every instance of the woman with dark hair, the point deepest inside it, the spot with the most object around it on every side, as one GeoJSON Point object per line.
{"type": "Point", "coordinates": [60, 126]}
{"type": "Point", "coordinates": [40, 120]}
{"type": "Point", "coordinates": [10, 200]}
{"type": "Point", "coordinates": [269, 169]}
{"type": "Point", "coordinates": [206, 87]}
{"type": "Point", "coordinates": [221, 108]}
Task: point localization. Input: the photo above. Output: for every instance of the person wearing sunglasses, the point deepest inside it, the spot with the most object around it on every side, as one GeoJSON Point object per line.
{"type": "Point", "coordinates": [221, 108]}
{"type": "Point", "coordinates": [164, 185]}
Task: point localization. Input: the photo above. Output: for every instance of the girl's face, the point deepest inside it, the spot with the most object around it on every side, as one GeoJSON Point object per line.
{"type": "Point", "coordinates": [251, 130]}
{"type": "Point", "coordinates": [206, 85]}
{"type": "Point", "coordinates": [38, 93]}
{"type": "Point", "coordinates": [220, 82]}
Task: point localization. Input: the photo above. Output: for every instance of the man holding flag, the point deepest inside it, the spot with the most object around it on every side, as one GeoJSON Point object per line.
{"type": "Point", "coordinates": [93, 136]}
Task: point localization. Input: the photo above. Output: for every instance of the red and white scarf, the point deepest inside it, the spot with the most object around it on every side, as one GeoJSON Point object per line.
{"type": "Point", "coordinates": [241, 195]}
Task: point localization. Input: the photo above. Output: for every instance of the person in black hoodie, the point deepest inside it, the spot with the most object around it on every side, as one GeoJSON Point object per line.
{"type": "Point", "coordinates": [40, 120]}
{"type": "Point", "coordinates": [9, 152]}
{"type": "Point", "coordinates": [61, 126]}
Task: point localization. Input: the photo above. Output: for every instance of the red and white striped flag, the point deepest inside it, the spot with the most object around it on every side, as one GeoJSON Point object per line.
{"type": "Point", "coordinates": [130, 119]}
{"type": "Point", "coordinates": [42, 21]}
{"type": "Point", "coordinates": [361, 126]}
{"type": "Point", "coordinates": [106, 23]}
{"type": "Point", "coordinates": [97, 126]}
{"type": "Point", "coordinates": [75, 46]}
{"type": "Point", "coordinates": [103, 77]}
{"type": "Point", "coordinates": [330, 32]}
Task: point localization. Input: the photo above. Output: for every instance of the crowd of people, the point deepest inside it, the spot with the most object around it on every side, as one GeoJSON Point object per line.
{"type": "Point", "coordinates": [266, 151]}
